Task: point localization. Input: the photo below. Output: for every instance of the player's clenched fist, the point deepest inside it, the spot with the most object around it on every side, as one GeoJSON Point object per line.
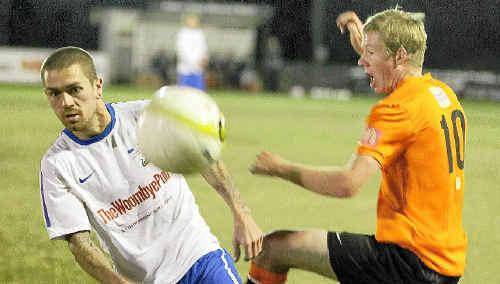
{"type": "Point", "coordinates": [266, 163]}
{"type": "Point", "coordinates": [350, 21]}
{"type": "Point", "coordinates": [348, 17]}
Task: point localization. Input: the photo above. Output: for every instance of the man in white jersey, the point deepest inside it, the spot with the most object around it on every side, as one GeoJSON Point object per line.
{"type": "Point", "coordinates": [93, 177]}
{"type": "Point", "coordinates": [192, 54]}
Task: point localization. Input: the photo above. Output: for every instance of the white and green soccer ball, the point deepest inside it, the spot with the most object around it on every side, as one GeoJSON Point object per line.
{"type": "Point", "coordinates": [181, 130]}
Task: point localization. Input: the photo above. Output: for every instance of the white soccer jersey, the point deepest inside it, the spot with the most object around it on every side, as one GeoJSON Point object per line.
{"type": "Point", "coordinates": [191, 49]}
{"type": "Point", "coordinates": [146, 218]}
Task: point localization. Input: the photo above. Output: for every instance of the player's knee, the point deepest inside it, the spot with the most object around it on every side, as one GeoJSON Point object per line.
{"type": "Point", "coordinates": [275, 245]}
{"type": "Point", "coordinates": [278, 240]}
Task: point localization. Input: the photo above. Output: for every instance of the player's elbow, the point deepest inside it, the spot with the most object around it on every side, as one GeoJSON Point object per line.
{"type": "Point", "coordinates": [347, 186]}
{"type": "Point", "coordinates": [347, 192]}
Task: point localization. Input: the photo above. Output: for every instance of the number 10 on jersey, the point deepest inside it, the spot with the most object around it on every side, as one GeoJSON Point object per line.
{"type": "Point", "coordinates": [457, 116]}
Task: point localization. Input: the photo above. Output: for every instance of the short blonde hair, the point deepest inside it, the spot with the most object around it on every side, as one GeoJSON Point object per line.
{"type": "Point", "coordinates": [400, 29]}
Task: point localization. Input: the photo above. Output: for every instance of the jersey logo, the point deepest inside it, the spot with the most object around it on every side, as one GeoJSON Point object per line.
{"type": "Point", "coordinates": [338, 237]}
{"type": "Point", "coordinates": [370, 137]}
{"type": "Point", "coordinates": [144, 162]}
{"type": "Point", "coordinates": [136, 155]}
{"type": "Point", "coordinates": [441, 97]}
{"type": "Point", "coordinates": [82, 180]}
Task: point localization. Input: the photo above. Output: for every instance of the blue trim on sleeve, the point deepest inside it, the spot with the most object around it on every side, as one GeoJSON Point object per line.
{"type": "Point", "coordinates": [44, 206]}
{"type": "Point", "coordinates": [99, 137]}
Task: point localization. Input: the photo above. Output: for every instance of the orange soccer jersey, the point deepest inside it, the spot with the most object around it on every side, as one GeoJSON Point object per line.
{"type": "Point", "coordinates": [417, 134]}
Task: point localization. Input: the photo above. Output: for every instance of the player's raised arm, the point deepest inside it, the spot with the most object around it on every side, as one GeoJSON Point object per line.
{"type": "Point", "coordinates": [92, 259]}
{"type": "Point", "coordinates": [337, 182]}
{"type": "Point", "coordinates": [246, 232]}
{"type": "Point", "coordinates": [350, 21]}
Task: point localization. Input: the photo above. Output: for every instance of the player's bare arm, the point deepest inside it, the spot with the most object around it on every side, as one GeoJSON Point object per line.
{"type": "Point", "coordinates": [341, 182]}
{"type": "Point", "coordinates": [350, 21]}
{"type": "Point", "coordinates": [92, 259]}
{"type": "Point", "coordinates": [246, 232]}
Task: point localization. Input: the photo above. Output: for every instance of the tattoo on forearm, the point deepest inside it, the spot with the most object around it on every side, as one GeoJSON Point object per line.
{"type": "Point", "coordinates": [92, 259]}
{"type": "Point", "coordinates": [218, 177]}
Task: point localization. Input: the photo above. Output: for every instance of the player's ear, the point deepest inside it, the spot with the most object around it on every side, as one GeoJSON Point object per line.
{"type": "Point", "coordinates": [401, 56]}
{"type": "Point", "coordinates": [98, 85]}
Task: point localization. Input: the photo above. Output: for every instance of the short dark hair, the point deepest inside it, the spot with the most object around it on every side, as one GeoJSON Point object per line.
{"type": "Point", "coordinates": [64, 57]}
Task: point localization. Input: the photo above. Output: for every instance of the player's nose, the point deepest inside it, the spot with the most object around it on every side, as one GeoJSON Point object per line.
{"type": "Point", "coordinates": [67, 99]}
{"type": "Point", "coordinates": [361, 61]}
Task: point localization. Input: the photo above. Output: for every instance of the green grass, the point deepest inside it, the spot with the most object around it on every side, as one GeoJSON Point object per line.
{"type": "Point", "coordinates": [318, 132]}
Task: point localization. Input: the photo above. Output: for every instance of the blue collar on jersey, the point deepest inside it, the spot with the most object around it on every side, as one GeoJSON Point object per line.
{"type": "Point", "coordinates": [99, 137]}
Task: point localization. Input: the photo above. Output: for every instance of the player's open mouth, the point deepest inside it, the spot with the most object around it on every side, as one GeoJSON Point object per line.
{"type": "Point", "coordinates": [370, 77]}
{"type": "Point", "coordinates": [71, 116]}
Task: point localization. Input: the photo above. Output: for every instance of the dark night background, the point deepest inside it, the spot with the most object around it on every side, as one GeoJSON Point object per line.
{"type": "Point", "coordinates": [461, 34]}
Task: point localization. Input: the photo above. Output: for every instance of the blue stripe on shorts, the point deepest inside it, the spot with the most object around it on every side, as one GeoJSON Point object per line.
{"type": "Point", "coordinates": [216, 267]}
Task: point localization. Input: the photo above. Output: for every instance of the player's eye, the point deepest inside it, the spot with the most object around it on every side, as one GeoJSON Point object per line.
{"type": "Point", "coordinates": [52, 93]}
{"type": "Point", "coordinates": [74, 91]}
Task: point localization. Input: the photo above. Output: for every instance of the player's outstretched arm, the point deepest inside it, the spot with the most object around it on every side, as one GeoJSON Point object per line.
{"type": "Point", "coordinates": [246, 232]}
{"type": "Point", "coordinates": [92, 259]}
{"type": "Point", "coordinates": [336, 182]}
{"type": "Point", "coordinates": [350, 21]}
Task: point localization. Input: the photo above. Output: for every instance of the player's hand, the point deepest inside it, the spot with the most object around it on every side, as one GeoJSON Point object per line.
{"type": "Point", "coordinates": [350, 21]}
{"type": "Point", "coordinates": [266, 163]}
{"type": "Point", "coordinates": [248, 235]}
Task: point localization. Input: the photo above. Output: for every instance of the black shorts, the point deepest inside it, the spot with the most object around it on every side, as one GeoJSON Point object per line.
{"type": "Point", "coordinates": [361, 259]}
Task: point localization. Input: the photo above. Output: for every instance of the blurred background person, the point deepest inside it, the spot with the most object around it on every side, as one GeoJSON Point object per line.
{"type": "Point", "coordinates": [192, 53]}
{"type": "Point", "coordinates": [160, 66]}
{"type": "Point", "coordinates": [273, 64]}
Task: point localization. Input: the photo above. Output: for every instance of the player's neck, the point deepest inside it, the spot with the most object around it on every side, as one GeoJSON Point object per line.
{"type": "Point", "coordinates": [413, 71]}
{"type": "Point", "coordinates": [403, 73]}
{"type": "Point", "coordinates": [96, 124]}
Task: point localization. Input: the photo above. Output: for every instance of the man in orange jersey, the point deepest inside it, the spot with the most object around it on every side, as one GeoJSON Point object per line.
{"type": "Point", "coordinates": [415, 136]}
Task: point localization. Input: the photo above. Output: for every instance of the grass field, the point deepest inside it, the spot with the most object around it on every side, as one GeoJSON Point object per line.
{"type": "Point", "coordinates": [318, 132]}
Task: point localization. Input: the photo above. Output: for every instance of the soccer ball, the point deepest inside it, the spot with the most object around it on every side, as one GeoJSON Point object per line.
{"type": "Point", "coordinates": [181, 130]}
